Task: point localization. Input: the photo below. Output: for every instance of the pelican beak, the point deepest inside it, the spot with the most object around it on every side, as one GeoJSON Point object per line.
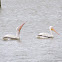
{"type": "Point", "coordinates": [21, 27]}
{"type": "Point", "coordinates": [54, 30]}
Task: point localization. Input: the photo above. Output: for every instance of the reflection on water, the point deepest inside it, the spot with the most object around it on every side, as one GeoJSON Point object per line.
{"type": "Point", "coordinates": [40, 15]}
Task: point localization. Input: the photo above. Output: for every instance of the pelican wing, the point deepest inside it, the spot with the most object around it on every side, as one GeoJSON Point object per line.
{"type": "Point", "coordinates": [9, 36]}
{"type": "Point", "coordinates": [44, 35]}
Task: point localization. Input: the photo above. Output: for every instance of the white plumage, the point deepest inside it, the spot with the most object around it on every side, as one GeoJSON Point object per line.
{"type": "Point", "coordinates": [14, 37]}
{"type": "Point", "coordinates": [47, 35]}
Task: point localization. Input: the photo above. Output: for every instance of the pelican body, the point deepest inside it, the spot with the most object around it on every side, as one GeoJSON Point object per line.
{"type": "Point", "coordinates": [47, 35]}
{"type": "Point", "coordinates": [14, 37]}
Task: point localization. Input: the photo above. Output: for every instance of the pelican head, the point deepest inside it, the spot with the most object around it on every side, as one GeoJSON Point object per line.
{"type": "Point", "coordinates": [18, 29]}
{"type": "Point", "coordinates": [51, 28]}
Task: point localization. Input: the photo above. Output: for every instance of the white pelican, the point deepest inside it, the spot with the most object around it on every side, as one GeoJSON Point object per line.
{"type": "Point", "coordinates": [14, 37]}
{"type": "Point", "coordinates": [47, 35]}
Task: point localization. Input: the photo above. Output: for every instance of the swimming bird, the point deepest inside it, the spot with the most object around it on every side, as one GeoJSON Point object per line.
{"type": "Point", "coordinates": [47, 35]}
{"type": "Point", "coordinates": [14, 37]}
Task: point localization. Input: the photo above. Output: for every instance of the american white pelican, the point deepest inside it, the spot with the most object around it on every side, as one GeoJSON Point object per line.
{"type": "Point", "coordinates": [47, 35]}
{"type": "Point", "coordinates": [14, 37]}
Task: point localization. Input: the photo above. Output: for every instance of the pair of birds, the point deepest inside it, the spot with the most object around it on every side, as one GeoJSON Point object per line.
{"type": "Point", "coordinates": [40, 35]}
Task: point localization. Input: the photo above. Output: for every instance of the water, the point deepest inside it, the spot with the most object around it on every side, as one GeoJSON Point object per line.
{"type": "Point", "coordinates": [39, 14]}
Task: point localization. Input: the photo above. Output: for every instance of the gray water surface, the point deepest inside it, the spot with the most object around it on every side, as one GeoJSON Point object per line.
{"type": "Point", "coordinates": [39, 14]}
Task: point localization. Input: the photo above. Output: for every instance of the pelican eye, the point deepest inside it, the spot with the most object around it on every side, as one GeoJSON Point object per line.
{"type": "Point", "coordinates": [52, 29]}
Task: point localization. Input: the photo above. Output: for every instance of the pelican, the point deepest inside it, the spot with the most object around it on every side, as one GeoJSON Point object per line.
{"type": "Point", "coordinates": [14, 37]}
{"type": "Point", "coordinates": [47, 35]}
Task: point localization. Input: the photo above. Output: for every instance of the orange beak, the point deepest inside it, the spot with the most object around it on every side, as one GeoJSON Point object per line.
{"type": "Point", "coordinates": [54, 30]}
{"type": "Point", "coordinates": [20, 27]}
